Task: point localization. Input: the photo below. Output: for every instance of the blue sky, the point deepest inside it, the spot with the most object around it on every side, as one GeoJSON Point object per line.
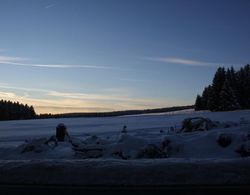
{"type": "Point", "coordinates": [95, 55]}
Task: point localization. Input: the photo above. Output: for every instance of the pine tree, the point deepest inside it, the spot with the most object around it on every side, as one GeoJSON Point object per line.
{"type": "Point", "coordinates": [218, 81]}
{"type": "Point", "coordinates": [204, 97]}
{"type": "Point", "coordinates": [212, 99]}
{"type": "Point", "coordinates": [32, 112]}
{"type": "Point", "coordinates": [229, 90]}
{"type": "Point", "coordinates": [228, 100]}
{"type": "Point", "coordinates": [198, 103]}
{"type": "Point", "coordinates": [240, 77]}
{"type": "Point", "coordinates": [247, 85]}
{"type": "Point", "coordinates": [15, 111]}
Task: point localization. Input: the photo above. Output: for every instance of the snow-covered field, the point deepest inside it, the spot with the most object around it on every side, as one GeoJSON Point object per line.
{"type": "Point", "coordinates": [151, 152]}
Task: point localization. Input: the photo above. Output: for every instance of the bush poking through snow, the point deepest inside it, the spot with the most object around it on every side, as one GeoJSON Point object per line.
{"type": "Point", "coordinates": [165, 143]}
{"type": "Point", "coordinates": [92, 147]}
{"type": "Point", "coordinates": [38, 145]}
{"type": "Point", "coordinates": [197, 124]}
{"type": "Point", "coordinates": [89, 152]}
{"type": "Point", "coordinates": [244, 150]}
{"type": "Point", "coordinates": [94, 140]}
{"type": "Point", "coordinates": [120, 154]}
{"type": "Point", "coordinates": [229, 124]}
{"type": "Point", "coordinates": [124, 129]}
{"type": "Point", "coordinates": [246, 136]}
{"type": "Point", "coordinates": [151, 151]}
{"type": "Point", "coordinates": [243, 121]}
{"type": "Point", "coordinates": [168, 147]}
{"type": "Point", "coordinates": [224, 140]}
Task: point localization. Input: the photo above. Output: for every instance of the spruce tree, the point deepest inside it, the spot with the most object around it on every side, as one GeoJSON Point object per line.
{"type": "Point", "coordinates": [247, 86]}
{"type": "Point", "coordinates": [204, 97]}
{"type": "Point", "coordinates": [218, 81]}
{"type": "Point", "coordinates": [212, 99]}
{"type": "Point", "coordinates": [228, 100]}
{"type": "Point", "coordinates": [198, 103]}
{"type": "Point", "coordinates": [240, 82]}
{"type": "Point", "coordinates": [15, 111]}
{"type": "Point", "coordinates": [230, 90]}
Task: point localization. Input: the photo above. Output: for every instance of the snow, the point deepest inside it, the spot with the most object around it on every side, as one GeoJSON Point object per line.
{"type": "Point", "coordinates": [99, 148]}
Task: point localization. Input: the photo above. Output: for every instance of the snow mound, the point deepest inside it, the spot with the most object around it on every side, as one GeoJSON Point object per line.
{"type": "Point", "coordinates": [227, 142]}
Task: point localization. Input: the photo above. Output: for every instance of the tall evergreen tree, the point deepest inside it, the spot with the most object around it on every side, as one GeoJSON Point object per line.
{"type": "Point", "coordinates": [228, 100]}
{"type": "Point", "coordinates": [204, 98]}
{"type": "Point", "coordinates": [199, 103]}
{"type": "Point", "coordinates": [217, 84]}
{"type": "Point", "coordinates": [212, 99]}
{"type": "Point", "coordinates": [240, 82]}
{"type": "Point", "coordinates": [247, 85]}
{"type": "Point", "coordinates": [15, 111]}
{"type": "Point", "coordinates": [230, 90]}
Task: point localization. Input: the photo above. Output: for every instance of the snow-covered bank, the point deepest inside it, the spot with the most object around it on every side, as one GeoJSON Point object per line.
{"type": "Point", "coordinates": [120, 172]}
{"type": "Point", "coordinates": [151, 151]}
{"type": "Point", "coordinates": [153, 143]}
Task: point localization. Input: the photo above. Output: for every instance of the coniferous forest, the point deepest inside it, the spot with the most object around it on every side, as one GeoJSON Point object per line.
{"type": "Point", "coordinates": [230, 90]}
{"type": "Point", "coordinates": [15, 111]}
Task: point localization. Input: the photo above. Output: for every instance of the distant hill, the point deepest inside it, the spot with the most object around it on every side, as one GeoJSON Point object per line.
{"type": "Point", "coordinates": [115, 113]}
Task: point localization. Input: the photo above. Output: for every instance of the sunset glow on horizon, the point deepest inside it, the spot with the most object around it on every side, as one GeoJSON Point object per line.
{"type": "Point", "coordinates": [64, 56]}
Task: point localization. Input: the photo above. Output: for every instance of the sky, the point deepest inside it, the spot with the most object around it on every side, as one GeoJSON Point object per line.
{"type": "Point", "coordinates": [93, 55]}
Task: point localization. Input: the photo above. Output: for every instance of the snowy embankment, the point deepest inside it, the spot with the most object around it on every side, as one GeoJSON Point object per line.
{"type": "Point", "coordinates": [129, 173]}
{"type": "Point", "coordinates": [152, 151]}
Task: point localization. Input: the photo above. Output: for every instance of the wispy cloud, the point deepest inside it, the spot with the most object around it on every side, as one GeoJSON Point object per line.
{"type": "Point", "coordinates": [62, 66]}
{"type": "Point", "coordinates": [7, 86]}
{"type": "Point", "coordinates": [183, 61]}
{"type": "Point", "coordinates": [11, 59]}
{"type": "Point", "coordinates": [7, 95]}
{"type": "Point", "coordinates": [135, 80]}
{"type": "Point", "coordinates": [101, 97]}
{"type": "Point", "coordinates": [58, 102]}
{"type": "Point", "coordinates": [19, 61]}
{"type": "Point", "coordinates": [2, 50]}
{"type": "Point", "coordinates": [50, 6]}
{"type": "Point", "coordinates": [81, 96]}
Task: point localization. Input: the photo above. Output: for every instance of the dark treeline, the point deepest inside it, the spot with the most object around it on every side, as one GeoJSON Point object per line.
{"type": "Point", "coordinates": [115, 113]}
{"type": "Point", "coordinates": [15, 111]}
{"type": "Point", "coordinates": [230, 90]}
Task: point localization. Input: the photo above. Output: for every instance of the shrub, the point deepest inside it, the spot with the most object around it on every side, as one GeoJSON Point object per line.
{"type": "Point", "coordinates": [224, 140]}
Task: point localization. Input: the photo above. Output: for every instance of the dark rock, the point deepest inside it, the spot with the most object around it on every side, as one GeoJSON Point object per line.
{"type": "Point", "coordinates": [224, 140]}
